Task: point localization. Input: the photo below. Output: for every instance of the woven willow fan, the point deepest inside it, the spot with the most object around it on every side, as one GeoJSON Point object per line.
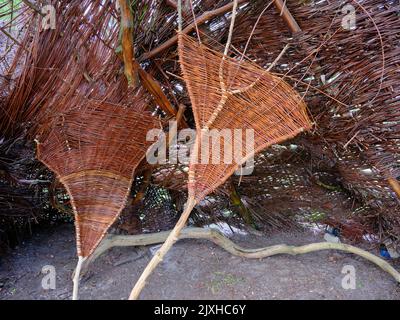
{"type": "Point", "coordinates": [94, 151]}
{"type": "Point", "coordinates": [228, 94]}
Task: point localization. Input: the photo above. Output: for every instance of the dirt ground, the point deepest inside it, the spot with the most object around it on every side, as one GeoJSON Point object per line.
{"type": "Point", "coordinates": [194, 269]}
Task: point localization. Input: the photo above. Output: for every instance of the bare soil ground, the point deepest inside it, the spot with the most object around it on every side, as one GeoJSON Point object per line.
{"type": "Point", "coordinates": [193, 269]}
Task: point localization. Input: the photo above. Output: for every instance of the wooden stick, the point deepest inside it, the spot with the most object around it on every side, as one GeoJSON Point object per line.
{"type": "Point", "coordinates": [231, 26]}
{"type": "Point", "coordinates": [224, 93]}
{"type": "Point", "coordinates": [154, 88]}
{"type": "Point", "coordinates": [173, 236]}
{"type": "Point", "coordinates": [180, 22]}
{"type": "Point", "coordinates": [287, 16]}
{"type": "Point", "coordinates": [395, 185]}
{"type": "Point", "coordinates": [158, 257]}
{"type": "Point", "coordinates": [222, 241]}
{"type": "Point", "coordinates": [200, 20]}
{"type": "Point", "coordinates": [75, 289]}
{"type": "Point", "coordinates": [251, 85]}
{"type": "Point", "coordinates": [9, 35]}
{"type": "Point", "coordinates": [172, 139]}
{"type": "Point", "coordinates": [130, 68]}
{"type": "Point", "coordinates": [278, 57]}
{"type": "Point", "coordinates": [33, 7]}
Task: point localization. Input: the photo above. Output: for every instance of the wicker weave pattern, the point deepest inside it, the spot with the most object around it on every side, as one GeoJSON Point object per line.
{"type": "Point", "coordinates": [229, 95]}
{"type": "Point", "coordinates": [94, 151]}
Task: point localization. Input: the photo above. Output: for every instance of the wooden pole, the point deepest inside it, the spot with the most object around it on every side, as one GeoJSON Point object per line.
{"type": "Point", "coordinates": [75, 290]}
{"type": "Point", "coordinates": [158, 257]}
{"type": "Point", "coordinates": [287, 16]}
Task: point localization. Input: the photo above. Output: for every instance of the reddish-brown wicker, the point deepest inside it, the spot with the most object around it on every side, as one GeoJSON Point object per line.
{"type": "Point", "coordinates": [226, 94]}
{"type": "Point", "coordinates": [73, 98]}
{"type": "Point", "coordinates": [94, 151]}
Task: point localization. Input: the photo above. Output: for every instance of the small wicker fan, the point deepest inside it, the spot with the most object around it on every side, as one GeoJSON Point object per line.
{"type": "Point", "coordinates": [94, 151]}
{"type": "Point", "coordinates": [227, 94]}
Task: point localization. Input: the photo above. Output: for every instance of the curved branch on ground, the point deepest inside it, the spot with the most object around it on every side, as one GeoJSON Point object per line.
{"type": "Point", "coordinates": [222, 241]}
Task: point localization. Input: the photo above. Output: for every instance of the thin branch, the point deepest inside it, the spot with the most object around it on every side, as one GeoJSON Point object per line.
{"type": "Point", "coordinates": [130, 68]}
{"type": "Point", "coordinates": [252, 32]}
{"type": "Point", "coordinates": [287, 16]}
{"type": "Point", "coordinates": [251, 85]}
{"type": "Point", "coordinates": [166, 246]}
{"type": "Point", "coordinates": [200, 20]}
{"type": "Point", "coordinates": [232, 25]}
{"type": "Point", "coordinates": [13, 39]}
{"type": "Point", "coordinates": [75, 290]}
{"type": "Point", "coordinates": [154, 88]}
{"type": "Point", "coordinates": [279, 57]}
{"type": "Point", "coordinates": [179, 7]}
{"type": "Point", "coordinates": [33, 7]}
{"type": "Point", "coordinates": [395, 185]}
{"type": "Point", "coordinates": [34, 181]}
{"type": "Point", "coordinates": [224, 93]}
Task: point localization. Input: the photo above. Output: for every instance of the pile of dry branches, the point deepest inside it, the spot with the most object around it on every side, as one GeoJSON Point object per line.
{"type": "Point", "coordinates": [346, 168]}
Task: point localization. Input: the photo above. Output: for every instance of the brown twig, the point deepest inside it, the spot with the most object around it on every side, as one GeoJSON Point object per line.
{"type": "Point", "coordinates": [130, 68]}
{"type": "Point", "coordinates": [200, 20]}
{"type": "Point", "coordinates": [167, 245]}
{"type": "Point", "coordinates": [33, 7]}
{"type": "Point", "coordinates": [154, 88]}
{"type": "Point", "coordinates": [13, 39]}
{"type": "Point", "coordinates": [287, 16]}
{"type": "Point", "coordinates": [395, 185]}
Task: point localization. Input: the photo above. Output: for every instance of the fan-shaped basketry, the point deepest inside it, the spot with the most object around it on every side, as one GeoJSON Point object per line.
{"type": "Point", "coordinates": [228, 94]}
{"type": "Point", "coordinates": [94, 151]}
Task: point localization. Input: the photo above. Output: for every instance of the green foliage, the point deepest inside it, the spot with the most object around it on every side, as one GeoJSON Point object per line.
{"type": "Point", "coordinates": [8, 8]}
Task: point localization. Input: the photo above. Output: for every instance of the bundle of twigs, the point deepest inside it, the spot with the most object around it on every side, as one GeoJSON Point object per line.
{"type": "Point", "coordinates": [347, 78]}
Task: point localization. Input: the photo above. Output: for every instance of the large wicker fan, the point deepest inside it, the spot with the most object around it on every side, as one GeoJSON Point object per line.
{"type": "Point", "coordinates": [228, 94]}
{"type": "Point", "coordinates": [246, 97]}
{"type": "Point", "coordinates": [94, 151]}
